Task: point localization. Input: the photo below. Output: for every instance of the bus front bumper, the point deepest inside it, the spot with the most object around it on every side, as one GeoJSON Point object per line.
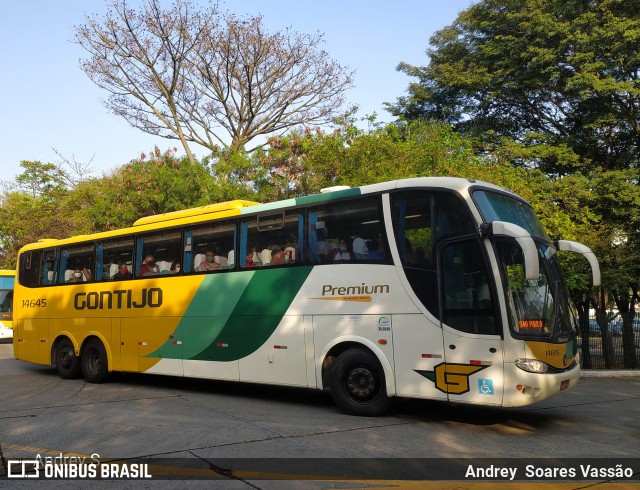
{"type": "Point", "coordinates": [523, 388]}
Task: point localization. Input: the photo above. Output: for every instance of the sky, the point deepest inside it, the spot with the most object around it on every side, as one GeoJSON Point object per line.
{"type": "Point", "coordinates": [51, 108]}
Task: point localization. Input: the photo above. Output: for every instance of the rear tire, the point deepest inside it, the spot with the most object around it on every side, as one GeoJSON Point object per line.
{"type": "Point", "coordinates": [67, 363]}
{"type": "Point", "coordinates": [94, 362]}
{"type": "Point", "coordinates": [357, 384]}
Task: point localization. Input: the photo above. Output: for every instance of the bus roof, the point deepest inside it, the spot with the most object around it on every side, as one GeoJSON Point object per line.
{"type": "Point", "coordinates": [210, 211]}
{"type": "Point", "coordinates": [242, 208]}
{"type": "Point", "coordinates": [7, 272]}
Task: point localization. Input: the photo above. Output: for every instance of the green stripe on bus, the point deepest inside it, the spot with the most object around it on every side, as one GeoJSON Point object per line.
{"type": "Point", "coordinates": [329, 196]}
{"type": "Point", "coordinates": [260, 208]}
{"type": "Point", "coordinates": [256, 315]}
{"type": "Point", "coordinates": [207, 313]}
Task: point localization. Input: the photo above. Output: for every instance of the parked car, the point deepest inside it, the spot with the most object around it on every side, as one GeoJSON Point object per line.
{"type": "Point", "coordinates": [614, 326]}
{"type": "Point", "coordinates": [594, 327]}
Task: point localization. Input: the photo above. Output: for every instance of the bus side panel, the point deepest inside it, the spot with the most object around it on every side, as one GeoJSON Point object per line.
{"type": "Point", "coordinates": [226, 370]}
{"type": "Point", "coordinates": [335, 329]}
{"type": "Point", "coordinates": [117, 364]}
{"type": "Point", "coordinates": [26, 339]}
{"type": "Point", "coordinates": [310, 353]}
{"type": "Point", "coordinates": [127, 347]}
{"type": "Point", "coordinates": [475, 367]}
{"type": "Point", "coordinates": [281, 359]}
{"type": "Point", "coordinates": [418, 347]}
{"type": "Point", "coordinates": [141, 336]}
{"type": "Point", "coordinates": [201, 353]}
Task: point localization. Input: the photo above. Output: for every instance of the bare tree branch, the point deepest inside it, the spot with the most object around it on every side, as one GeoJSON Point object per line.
{"type": "Point", "coordinates": [79, 170]}
{"type": "Point", "coordinates": [141, 60]}
{"type": "Point", "coordinates": [197, 76]}
{"type": "Point", "coordinates": [260, 83]}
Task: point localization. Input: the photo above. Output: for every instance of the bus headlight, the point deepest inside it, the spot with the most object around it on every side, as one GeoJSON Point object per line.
{"type": "Point", "coordinates": [532, 365]}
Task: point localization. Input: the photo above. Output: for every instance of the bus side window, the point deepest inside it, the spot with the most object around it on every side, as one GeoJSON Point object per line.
{"type": "Point", "coordinates": [271, 240]}
{"type": "Point", "coordinates": [451, 216]}
{"type": "Point", "coordinates": [158, 253]}
{"type": "Point", "coordinates": [28, 268]}
{"type": "Point", "coordinates": [209, 247]}
{"type": "Point", "coordinates": [342, 231]}
{"type": "Point", "coordinates": [117, 259]}
{"type": "Point", "coordinates": [413, 228]}
{"type": "Point", "coordinates": [49, 267]}
{"type": "Point", "coordinates": [77, 259]}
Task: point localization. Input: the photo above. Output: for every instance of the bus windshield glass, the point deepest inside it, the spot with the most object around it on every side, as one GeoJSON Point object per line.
{"type": "Point", "coordinates": [495, 206]}
{"type": "Point", "coordinates": [6, 297]}
{"type": "Point", "coordinates": [538, 308]}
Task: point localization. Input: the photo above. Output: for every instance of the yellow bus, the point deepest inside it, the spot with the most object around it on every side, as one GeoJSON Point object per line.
{"type": "Point", "coordinates": [6, 303]}
{"type": "Point", "coordinates": [434, 288]}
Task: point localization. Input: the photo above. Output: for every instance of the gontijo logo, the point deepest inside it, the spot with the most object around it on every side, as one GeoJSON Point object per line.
{"type": "Point", "coordinates": [118, 299]}
{"type": "Point", "coordinates": [453, 378]}
{"type": "Point", "coordinates": [362, 293]}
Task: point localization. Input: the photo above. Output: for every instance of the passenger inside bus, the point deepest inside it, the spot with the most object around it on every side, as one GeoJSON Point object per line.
{"type": "Point", "coordinates": [110, 268]}
{"type": "Point", "coordinates": [76, 275]}
{"type": "Point", "coordinates": [250, 263]}
{"type": "Point", "coordinates": [291, 246]}
{"type": "Point", "coordinates": [324, 246]}
{"type": "Point", "coordinates": [375, 252]}
{"type": "Point", "coordinates": [123, 273]}
{"type": "Point", "coordinates": [219, 257]}
{"type": "Point", "coordinates": [280, 256]}
{"type": "Point", "coordinates": [79, 273]}
{"type": "Point", "coordinates": [88, 275]}
{"type": "Point", "coordinates": [149, 267]}
{"type": "Point", "coordinates": [209, 263]}
{"type": "Point", "coordinates": [360, 249]}
{"type": "Point", "coordinates": [344, 252]}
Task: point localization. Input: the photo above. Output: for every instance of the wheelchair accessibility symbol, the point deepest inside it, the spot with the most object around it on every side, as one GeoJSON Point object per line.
{"type": "Point", "coordinates": [485, 386]}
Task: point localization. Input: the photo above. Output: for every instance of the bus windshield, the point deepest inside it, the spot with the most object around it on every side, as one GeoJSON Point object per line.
{"type": "Point", "coordinates": [495, 206]}
{"type": "Point", "coordinates": [6, 298]}
{"type": "Point", "coordinates": [538, 308]}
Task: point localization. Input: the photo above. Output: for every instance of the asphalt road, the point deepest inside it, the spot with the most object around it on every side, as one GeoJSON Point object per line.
{"type": "Point", "coordinates": [145, 416]}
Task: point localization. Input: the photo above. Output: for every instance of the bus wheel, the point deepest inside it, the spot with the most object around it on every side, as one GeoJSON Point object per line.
{"type": "Point", "coordinates": [94, 361]}
{"type": "Point", "coordinates": [67, 363]}
{"type": "Point", "coordinates": [357, 383]}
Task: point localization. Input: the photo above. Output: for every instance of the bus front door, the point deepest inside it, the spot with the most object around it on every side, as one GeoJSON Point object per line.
{"type": "Point", "coordinates": [471, 327]}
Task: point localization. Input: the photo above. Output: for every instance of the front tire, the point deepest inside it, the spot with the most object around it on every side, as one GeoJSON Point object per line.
{"type": "Point", "coordinates": [67, 363]}
{"type": "Point", "coordinates": [94, 362]}
{"type": "Point", "coordinates": [357, 384]}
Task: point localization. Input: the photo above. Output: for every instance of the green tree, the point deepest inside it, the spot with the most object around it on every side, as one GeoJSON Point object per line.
{"type": "Point", "coordinates": [153, 184]}
{"type": "Point", "coordinates": [557, 75]}
{"type": "Point", "coordinates": [31, 210]}
{"type": "Point", "coordinates": [304, 162]}
{"type": "Point", "coordinates": [40, 179]}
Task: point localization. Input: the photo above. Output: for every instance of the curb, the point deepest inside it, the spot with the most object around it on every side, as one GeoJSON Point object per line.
{"type": "Point", "coordinates": [609, 374]}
